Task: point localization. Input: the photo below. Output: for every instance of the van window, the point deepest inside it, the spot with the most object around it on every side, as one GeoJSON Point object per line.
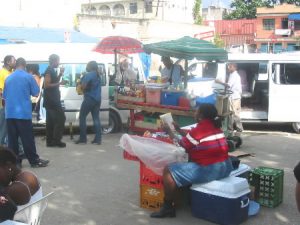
{"type": "Point", "coordinates": [74, 71]}
{"type": "Point", "coordinates": [286, 73]}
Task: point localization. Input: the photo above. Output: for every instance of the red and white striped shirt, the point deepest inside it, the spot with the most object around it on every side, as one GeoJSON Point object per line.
{"type": "Point", "coordinates": [205, 143]}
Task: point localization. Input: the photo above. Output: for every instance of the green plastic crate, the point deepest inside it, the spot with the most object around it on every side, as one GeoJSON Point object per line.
{"type": "Point", "coordinates": [184, 120]}
{"type": "Point", "coordinates": [268, 184]}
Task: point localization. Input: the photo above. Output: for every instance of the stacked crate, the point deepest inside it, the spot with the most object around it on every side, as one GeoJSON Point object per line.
{"type": "Point", "coordinates": [268, 185]}
{"type": "Point", "coordinates": [151, 188]}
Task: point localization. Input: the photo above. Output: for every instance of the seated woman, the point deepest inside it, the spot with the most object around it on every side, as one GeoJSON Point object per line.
{"type": "Point", "coordinates": [297, 189]}
{"type": "Point", "coordinates": [207, 148]}
{"type": "Point", "coordinates": [22, 187]}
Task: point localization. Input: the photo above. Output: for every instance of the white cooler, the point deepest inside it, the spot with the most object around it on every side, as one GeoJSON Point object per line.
{"type": "Point", "coordinates": [224, 202]}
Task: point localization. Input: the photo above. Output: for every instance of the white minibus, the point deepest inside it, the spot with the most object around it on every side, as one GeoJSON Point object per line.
{"type": "Point", "coordinates": [74, 57]}
{"type": "Point", "coordinates": [271, 85]}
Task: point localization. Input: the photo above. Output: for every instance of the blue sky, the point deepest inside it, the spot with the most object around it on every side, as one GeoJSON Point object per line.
{"type": "Point", "coordinates": [206, 3]}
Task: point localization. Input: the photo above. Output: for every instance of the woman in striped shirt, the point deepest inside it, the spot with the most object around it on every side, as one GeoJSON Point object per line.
{"type": "Point", "coordinates": [207, 148]}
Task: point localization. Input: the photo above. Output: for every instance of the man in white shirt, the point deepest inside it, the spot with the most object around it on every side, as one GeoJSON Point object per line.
{"type": "Point", "coordinates": [234, 84]}
{"type": "Point", "coordinates": [125, 75]}
{"type": "Point", "coordinates": [171, 72]}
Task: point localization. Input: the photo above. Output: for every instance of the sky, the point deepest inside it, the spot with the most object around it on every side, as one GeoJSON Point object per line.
{"type": "Point", "coordinates": [206, 3]}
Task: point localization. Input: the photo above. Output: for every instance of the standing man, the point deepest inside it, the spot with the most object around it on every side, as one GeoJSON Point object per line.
{"type": "Point", "coordinates": [18, 89]}
{"type": "Point", "coordinates": [55, 115]}
{"type": "Point", "coordinates": [234, 84]}
{"type": "Point", "coordinates": [8, 67]}
{"type": "Point", "coordinates": [171, 72]}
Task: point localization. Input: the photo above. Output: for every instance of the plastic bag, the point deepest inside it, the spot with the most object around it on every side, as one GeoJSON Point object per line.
{"type": "Point", "coordinates": [153, 153]}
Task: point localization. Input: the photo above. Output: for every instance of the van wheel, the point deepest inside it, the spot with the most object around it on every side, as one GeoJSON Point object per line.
{"type": "Point", "coordinates": [113, 125]}
{"type": "Point", "coordinates": [296, 127]}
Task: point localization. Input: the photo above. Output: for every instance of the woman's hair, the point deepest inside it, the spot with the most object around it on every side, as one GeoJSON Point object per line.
{"type": "Point", "coordinates": [93, 66]}
{"type": "Point", "coordinates": [6, 155]}
{"type": "Point", "coordinates": [34, 68]}
{"type": "Point", "coordinates": [209, 111]}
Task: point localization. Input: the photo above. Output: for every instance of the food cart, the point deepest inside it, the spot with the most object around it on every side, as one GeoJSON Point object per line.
{"type": "Point", "coordinates": [154, 99]}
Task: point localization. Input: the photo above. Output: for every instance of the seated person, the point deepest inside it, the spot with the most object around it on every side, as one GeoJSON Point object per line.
{"type": "Point", "coordinates": [22, 187]}
{"type": "Point", "coordinates": [125, 75]}
{"type": "Point", "coordinates": [207, 148]}
{"type": "Point", "coordinates": [171, 73]}
{"type": "Point", "coordinates": [297, 191]}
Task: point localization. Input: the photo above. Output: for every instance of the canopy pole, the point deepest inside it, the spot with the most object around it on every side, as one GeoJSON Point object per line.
{"type": "Point", "coordinates": [185, 73]}
{"type": "Point", "coordinates": [115, 51]}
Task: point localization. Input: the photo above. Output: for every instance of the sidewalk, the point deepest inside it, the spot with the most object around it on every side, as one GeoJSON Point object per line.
{"type": "Point", "coordinates": [94, 185]}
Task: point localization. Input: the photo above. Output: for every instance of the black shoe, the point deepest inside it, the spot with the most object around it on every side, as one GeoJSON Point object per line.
{"type": "Point", "coordinates": [80, 142]}
{"type": "Point", "coordinates": [40, 163]}
{"type": "Point", "coordinates": [166, 210]}
{"type": "Point", "coordinates": [59, 144]}
{"type": "Point", "coordinates": [96, 142]}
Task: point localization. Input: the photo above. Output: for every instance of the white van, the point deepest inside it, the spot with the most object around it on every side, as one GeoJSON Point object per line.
{"type": "Point", "coordinates": [271, 86]}
{"type": "Point", "coordinates": [74, 57]}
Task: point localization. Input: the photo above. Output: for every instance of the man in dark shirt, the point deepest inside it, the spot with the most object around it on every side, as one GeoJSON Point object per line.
{"type": "Point", "coordinates": [297, 191]}
{"type": "Point", "coordinates": [55, 115]}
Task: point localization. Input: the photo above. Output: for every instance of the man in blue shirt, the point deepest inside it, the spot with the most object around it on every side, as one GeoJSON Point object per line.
{"type": "Point", "coordinates": [18, 89]}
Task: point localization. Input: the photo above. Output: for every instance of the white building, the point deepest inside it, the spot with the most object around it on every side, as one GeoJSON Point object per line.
{"type": "Point", "coordinates": [146, 20]}
{"type": "Point", "coordinates": [166, 10]}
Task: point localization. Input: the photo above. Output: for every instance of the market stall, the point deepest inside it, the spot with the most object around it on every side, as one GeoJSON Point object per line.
{"type": "Point", "coordinates": [147, 102]}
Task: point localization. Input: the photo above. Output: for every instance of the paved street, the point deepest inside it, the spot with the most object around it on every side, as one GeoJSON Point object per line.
{"type": "Point", "coordinates": [94, 185]}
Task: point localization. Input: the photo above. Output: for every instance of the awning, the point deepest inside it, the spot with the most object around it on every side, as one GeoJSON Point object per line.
{"type": "Point", "coordinates": [294, 16]}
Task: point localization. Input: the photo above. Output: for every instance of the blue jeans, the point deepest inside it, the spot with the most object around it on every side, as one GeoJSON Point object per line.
{"type": "Point", "coordinates": [187, 173]}
{"type": "Point", "coordinates": [89, 105]}
{"type": "Point", "coordinates": [3, 128]}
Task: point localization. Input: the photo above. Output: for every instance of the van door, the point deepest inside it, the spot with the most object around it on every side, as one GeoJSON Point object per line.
{"type": "Point", "coordinates": [72, 101]}
{"type": "Point", "coordinates": [284, 92]}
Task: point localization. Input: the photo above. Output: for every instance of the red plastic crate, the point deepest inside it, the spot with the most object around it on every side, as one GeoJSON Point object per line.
{"type": "Point", "coordinates": [148, 177]}
{"type": "Point", "coordinates": [128, 156]}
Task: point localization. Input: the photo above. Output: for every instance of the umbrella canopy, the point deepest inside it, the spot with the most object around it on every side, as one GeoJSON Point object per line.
{"type": "Point", "coordinates": [187, 48]}
{"type": "Point", "coordinates": [119, 44]}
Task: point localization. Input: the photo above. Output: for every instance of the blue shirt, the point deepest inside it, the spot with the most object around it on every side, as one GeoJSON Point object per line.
{"type": "Point", "coordinates": [18, 88]}
{"type": "Point", "coordinates": [93, 85]}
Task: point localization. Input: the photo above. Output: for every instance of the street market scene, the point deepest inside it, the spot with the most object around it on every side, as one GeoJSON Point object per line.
{"type": "Point", "coordinates": [119, 112]}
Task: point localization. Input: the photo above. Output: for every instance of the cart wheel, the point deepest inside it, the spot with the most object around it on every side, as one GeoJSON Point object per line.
{"type": "Point", "coordinates": [231, 145]}
{"type": "Point", "coordinates": [237, 141]}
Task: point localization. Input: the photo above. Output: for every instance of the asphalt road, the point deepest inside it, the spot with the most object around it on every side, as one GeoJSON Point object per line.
{"type": "Point", "coordinates": [95, 185]}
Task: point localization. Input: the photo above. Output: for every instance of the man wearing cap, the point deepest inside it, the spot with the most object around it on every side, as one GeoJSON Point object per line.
{"type": "Point", "coordinates": [125, 75]}
{"type": "Point", "coordinates": [171, 73]}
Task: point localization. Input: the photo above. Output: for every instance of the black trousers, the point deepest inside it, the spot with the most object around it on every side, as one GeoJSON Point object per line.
{"type": "Point", "coordinates": [55, 125]}
{"type": "Point", "coordinates": [17, 128]}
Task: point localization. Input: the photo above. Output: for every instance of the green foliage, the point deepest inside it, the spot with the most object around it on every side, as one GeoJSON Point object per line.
{"type": "Point", "coordinates": [196, 12]}
{"type": "Point", "coordinates": [247, 8]}
{"type": "Point", "coordinates": [218, 41]}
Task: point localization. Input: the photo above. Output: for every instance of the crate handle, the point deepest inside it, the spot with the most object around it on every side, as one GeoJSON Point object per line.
{"type": "Point", "coordinates": [243, 205]}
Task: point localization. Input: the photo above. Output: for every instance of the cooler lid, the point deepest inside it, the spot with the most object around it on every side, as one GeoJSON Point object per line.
{"type": "Point", "coordinates": [230, 187]}
{"type": "Point", "coordinates": [242, 169]}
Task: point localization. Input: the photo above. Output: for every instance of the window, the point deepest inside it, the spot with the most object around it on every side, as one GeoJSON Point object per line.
{"type": "Point", "coordinates": [104, 10]}
{"type": "Point", "coordinates": [119, 10]}
{"type": "Point", "coordinates": [287, 73]}
{"type": "Point", "coordinates": [268, 24]}
{"type": "Point", "coordinates": [133, 8]}
{"type": "Point", "coordinates": [93, 11]}
{"type": "Point", "coordinates": [148, 6]}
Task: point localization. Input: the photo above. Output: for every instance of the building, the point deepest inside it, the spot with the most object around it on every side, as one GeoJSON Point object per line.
{"type": "Point", "coordinates": [278, 28]}
{"type": "Point", "coordinates": [166, 10]}
{"type": "Point", "coordinates": [146, 20]}
{"type": "Point", "coordinates": [214, 13]}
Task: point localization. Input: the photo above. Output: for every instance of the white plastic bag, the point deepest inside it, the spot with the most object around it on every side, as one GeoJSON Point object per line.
{"type": "Point", "coordinates": [153, 153]}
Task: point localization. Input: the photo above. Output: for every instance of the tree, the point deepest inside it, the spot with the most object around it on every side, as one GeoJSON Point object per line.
{"type": "Point", "coordinates": [247, 8]}
{"type": "Point", "coordinates": [196, 12]}
{"type": "Point", "coordinates": [218, 41]}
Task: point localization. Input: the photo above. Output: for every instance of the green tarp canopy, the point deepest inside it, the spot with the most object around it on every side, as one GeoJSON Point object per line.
{"type": "Point", "coordinates": [187, 48]}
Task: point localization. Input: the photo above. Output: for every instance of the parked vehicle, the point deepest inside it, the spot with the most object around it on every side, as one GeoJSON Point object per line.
{"type": "Point", "coordinates": [74, 57]}
{"type": "Point", "coordinates": [271, 84]}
